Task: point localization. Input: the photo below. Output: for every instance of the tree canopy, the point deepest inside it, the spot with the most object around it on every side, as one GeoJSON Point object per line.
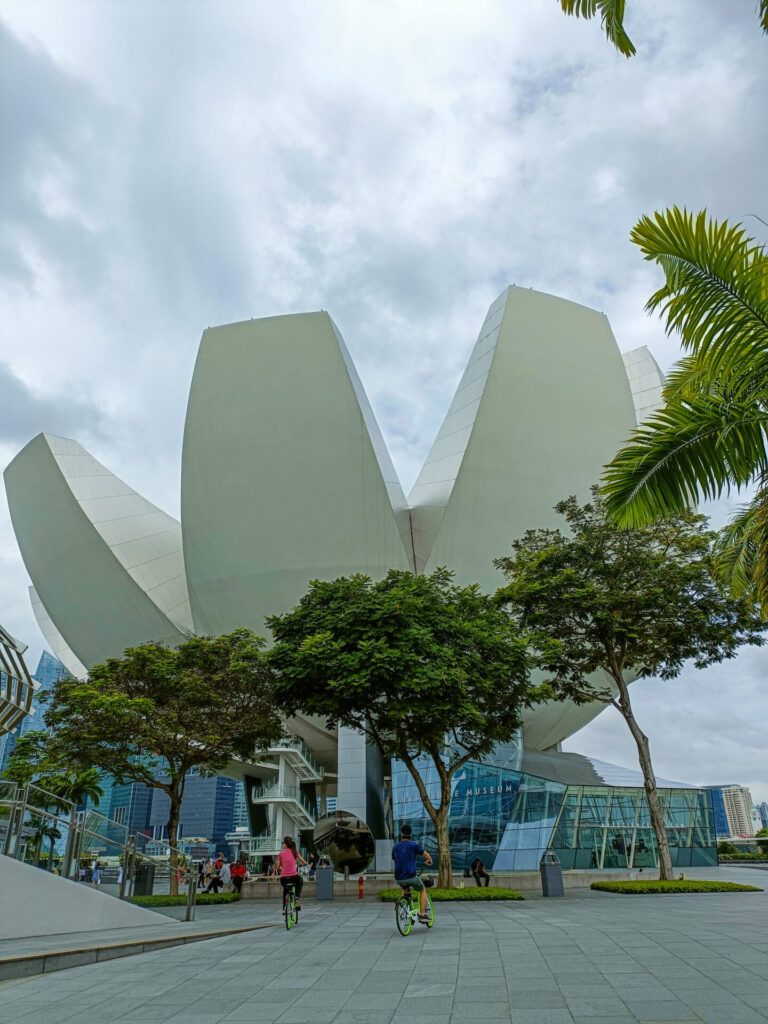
{"type": "Point", "coordinates": [155, 713]}
{"type": "Point", "coordinates": [612, 12]}
{"type": "Point", "coordinates": [603, 606]}
{"type": "Point", "coordinates": [712, 433]}
{"type": "Point", "coordinates": [418, 664]}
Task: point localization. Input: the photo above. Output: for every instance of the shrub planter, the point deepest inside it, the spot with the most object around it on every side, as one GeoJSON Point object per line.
{"type": "Point", "coordinates": [203, 900]}
{"type": "Point", "coordinates": [675, 886]}
{"type": "Point", "coordinates": [464, 895]}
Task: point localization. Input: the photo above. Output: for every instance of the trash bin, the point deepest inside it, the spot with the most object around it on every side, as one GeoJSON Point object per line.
{"type": "Point", "coordinates": [551, 875]}
{"type": "Point", "coordinates": [144, 881]}
{"type": "Point", "coordinates": [324, 883]}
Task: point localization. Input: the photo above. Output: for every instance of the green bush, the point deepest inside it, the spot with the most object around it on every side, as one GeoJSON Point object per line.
{"type": "Point", "coordinates": [204, 899]}
{"type": "Point", "coordinates": [673, 886]}
{"type": "Point", "coordinates": [726, 857]}
{"type": "Point", "coordinates": [441, 895]}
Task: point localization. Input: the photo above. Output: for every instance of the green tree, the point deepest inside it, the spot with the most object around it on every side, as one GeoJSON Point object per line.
{"type": "Point", "coordinates": [421, 666]}
{"type": "Point", "coordinates": [603, 606]}
{"type": "Point", "coordinates": [712, 432]}
{"type": "Point", "coordinates": [611, 14]}
{"type": "Point", "coordinates": [155, 713]}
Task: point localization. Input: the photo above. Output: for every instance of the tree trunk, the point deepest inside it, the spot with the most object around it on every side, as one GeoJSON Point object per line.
{"type": "Point", "coordinates": [624, 705]}
{"type": "Point", "coordinates": [445, 868]}
{"type": "Point", "coordinates": [173, 827]}
{"type": "Point", "coordinates": [52, 841]}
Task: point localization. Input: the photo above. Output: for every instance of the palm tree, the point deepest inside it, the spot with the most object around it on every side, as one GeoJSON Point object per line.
{"type": "Point", "coordinates": [711, 435]}
{"type": "Point", "coordinates": [611, 14]}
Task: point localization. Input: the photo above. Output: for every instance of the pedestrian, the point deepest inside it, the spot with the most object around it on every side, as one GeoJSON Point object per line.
{"type": "Point", "coordinates": [96, 876]}
{"type": "Point", "coordinates": [225, 874]}
{"type": "Point", "coordinates": [478, 872]}
{"type": "Point", "coordinates": [238, 872]}
{"type": "Point", "coordinates": [312, 863]}
{"type": "Point", "coordinates": [120, 875]}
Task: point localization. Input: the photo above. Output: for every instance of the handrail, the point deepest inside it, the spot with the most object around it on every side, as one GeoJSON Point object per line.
{"type": "Point", "coordinates": [277, 792]}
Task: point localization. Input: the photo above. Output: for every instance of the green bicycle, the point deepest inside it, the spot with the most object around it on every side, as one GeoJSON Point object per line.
{"type": "Point", "coordinates": [407, 909]}
{"type": "Point", "coordinates": [290, 910]}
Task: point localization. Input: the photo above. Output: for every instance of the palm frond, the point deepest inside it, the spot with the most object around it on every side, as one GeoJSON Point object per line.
{"type": "Point", "coordinates": [716, 289]}
{"type": "Point", "coordinates": [762, 9]}
{"type": "Point", "coordinates": [695, 447]}
{"type": "Point", "coordinates": [741, 552]}
{"type": "Point", "coordinates": [611, 17]}
{"type": "Point", "coordinates": [693, 376]}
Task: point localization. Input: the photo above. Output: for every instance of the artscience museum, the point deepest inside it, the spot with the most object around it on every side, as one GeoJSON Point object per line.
{"type": "Point", "coordinates": [286, 478]}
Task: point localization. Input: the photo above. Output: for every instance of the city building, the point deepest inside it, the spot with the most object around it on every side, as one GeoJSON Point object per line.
{"type": "Point", "coordinates": [732, 805]}
{"type": "Point", "coordinates": [287, 478]}
{"type": "Point", "coordinates": [207, 809]}
{"type": "Point", "coordinates": [763, 812]}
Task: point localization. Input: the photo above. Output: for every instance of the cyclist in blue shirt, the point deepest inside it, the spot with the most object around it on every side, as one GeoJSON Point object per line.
{"type": "Point", "coordinates": [404, 855]}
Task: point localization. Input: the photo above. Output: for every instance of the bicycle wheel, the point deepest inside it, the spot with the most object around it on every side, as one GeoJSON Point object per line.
{"type": "Point", "coordinates": [430, 912]}
{"type": "Point", "coordinates": [294, 911]}
{"type": "Point", "coordinates": [288, 912]}
{"type": "Point", "coordinates": [403, 915]}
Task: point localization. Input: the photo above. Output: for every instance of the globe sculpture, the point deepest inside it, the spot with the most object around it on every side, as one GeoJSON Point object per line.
{"type": "Point", "coordinates": [346, 840]}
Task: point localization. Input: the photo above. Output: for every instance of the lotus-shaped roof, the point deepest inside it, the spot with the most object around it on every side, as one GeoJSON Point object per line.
{"type": "Point", "coordinates": [286, 478]}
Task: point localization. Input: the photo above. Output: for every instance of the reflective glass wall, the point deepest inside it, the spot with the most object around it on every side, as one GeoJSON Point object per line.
{"type": "Point", "coordinates": [509, 818]}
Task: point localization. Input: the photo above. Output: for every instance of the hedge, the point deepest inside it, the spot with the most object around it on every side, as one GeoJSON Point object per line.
{"type": "Point", "coordinates": [203, 899]}
{"type": "Point", "coordinates": [650, 887]}
{"type": "Point", "coordinates": [442, 895]}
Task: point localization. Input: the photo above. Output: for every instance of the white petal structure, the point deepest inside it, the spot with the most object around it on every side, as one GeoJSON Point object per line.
{"type": "Point", "coordinates": [285, 475]}
{"type": "Point", "coordinates": [646, 381]}
{"type": "Point", "coordinates": [286, 478]}
{"type": "Point", "coordinates": [58, 645]}
{"type": "Point", "coordinates": [106, 564]}
{"type": "Point", "coordinates": [543, 404]}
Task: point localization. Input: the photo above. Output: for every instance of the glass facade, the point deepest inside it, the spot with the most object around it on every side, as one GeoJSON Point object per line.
{"type": "Point", "coordinates": [509, 818]}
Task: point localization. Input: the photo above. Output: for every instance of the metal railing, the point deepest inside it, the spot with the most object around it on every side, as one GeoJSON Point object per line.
{"type": "Point", "coordinates": [284, 794]}
{"type": "Point", "coordinates": [297, 744]}
{"type": "Point", "coordinates": [32, 818]}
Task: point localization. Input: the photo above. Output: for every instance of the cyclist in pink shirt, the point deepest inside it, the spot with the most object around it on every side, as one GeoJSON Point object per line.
{"type": "Point", "coordinates": [287, 870]}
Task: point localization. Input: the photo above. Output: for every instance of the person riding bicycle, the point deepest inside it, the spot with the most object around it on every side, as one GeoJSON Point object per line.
{"type": "Point", "coordinates": [404, 855]}
{"type": "Point", "coordinates": [287, 870]}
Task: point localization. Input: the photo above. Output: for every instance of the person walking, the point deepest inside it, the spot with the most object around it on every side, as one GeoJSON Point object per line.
{"type": "Point", "coordinates": [287, 869]}
{"type": "Point", "coordinates": [96, 877]}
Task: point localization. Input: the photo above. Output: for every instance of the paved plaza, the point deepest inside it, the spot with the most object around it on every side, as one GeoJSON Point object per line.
{"type": "Point", "coordinates": [587, 957]}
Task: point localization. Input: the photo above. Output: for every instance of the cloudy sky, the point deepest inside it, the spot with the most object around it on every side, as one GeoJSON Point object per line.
{"type": "Point", "coordinates": [167, 166]}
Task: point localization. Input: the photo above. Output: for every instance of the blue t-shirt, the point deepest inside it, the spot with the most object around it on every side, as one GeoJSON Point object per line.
{"type": "Point", "coordinates": [404, 855]}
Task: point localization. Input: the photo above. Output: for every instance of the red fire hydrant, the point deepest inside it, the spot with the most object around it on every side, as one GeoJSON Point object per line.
{"type": "Point", "coordinates": [360, 888]}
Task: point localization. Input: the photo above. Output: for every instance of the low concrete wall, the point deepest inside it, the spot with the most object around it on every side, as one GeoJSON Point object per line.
{"type": "Point", "coordinates": [36, 902]}
{"type": "Point", "coordinates": [523, 881]}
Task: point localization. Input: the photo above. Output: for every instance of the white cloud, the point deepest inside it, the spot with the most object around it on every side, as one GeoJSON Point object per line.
{"type": "Point", "coordinates": [171, 166]}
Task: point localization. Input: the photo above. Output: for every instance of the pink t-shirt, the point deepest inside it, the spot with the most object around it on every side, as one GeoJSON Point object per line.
{"type": "Point", "coordinates": [287, 863]}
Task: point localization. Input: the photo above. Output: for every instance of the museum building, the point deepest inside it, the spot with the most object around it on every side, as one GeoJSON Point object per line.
{"type": "Point", "coordinates": [286, 478]}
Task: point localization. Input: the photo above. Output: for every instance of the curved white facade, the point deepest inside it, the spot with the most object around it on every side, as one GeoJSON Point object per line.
{"type": "Point", "coordinates": [106, 564]}
{"type": "Point", "coordinates": [286, 478]}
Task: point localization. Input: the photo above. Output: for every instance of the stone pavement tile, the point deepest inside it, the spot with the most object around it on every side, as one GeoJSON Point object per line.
{"type": "Point", "coordinates": [732, 1015]}
{"type": "Point", "coordinates": [193, 1018]}
{"type": "Point", "coordinates": [364, 1017]}
{"type": "Point", "coordinates": [427, 1018]}
{"type": "Point", "coordinates": [537, 1000]}
{"type": "Point", "coordinates": [578, 991]}
{"type": "Point", "coordinates": [662, 1010]}
{"type": "Point", "coordinates": [481, 1011]}
{"type": "Point", "coordinates": [317, 1015]}
{"type": "Point", "coordinates": [349, 980]}
{"type": "Point", "coordinates": [372, 1001]}
{"type": "Point", "coordinates": [416, 1005]}
{"type": "Point", "coordinates": [421, 987]}
{"type": "Point", "coordinates": [474, 993]}
{"type": "Point", "coordinates": [597, 1006]}
{"type": "Point", "coordinates": [381, 982]}
{"type": "Point", "coordinates": [540, 1017]}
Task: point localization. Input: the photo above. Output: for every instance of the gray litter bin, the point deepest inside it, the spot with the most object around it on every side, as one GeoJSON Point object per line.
{"type": "Point", "coordinates": [324, 883]}
{"type": "Point", "coordinates": [551, 874]}
{"type": "Point", "coordinates": [144, 881]}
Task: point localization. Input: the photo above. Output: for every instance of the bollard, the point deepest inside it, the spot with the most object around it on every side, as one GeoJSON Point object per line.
{"type": "Point", "coordinates": [360, 892]}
